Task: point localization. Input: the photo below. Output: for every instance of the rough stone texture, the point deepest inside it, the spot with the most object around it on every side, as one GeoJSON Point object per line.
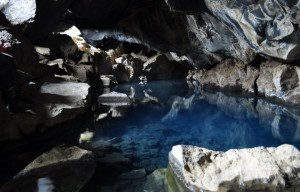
{"type": "Point", "coordinates": [58, 155]}
{"type": "Point", "coordinates": [51, 102]}
{"type": "Point", "coordinates": [55, 170]}
{"type": "Point", "coordinates": [114, 99]}
{"type": "Point", "coordinates": [228, 75]}
{"type": "Point", "coordinates": [255, 169]}
{"type": "Point", "coordinates": [279, 81]}
{"type": "Point", "coordinates": [160, 67]}
{"type": "Point", "coordinates": [268, 27]}
{"type": "Point", "coordinates": [155, 181]}
{"type": "Point", "coordinates": [205, 32]}
{"type": "Point", "coordinates": [18, 11]}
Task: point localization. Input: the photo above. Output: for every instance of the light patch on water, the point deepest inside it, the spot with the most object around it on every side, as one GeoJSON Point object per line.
{"type": "Point", "coordinates": [45, 184]}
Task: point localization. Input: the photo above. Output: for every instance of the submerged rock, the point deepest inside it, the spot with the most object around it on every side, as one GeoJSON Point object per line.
{"type": "Point", "coordinates": [255, 169]}
{"type": "Point", "coordinates": [55, 170]}
{"type": "Point", "coordinates": [156, 181]}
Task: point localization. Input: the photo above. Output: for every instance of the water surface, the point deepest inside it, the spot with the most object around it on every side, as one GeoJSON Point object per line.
{"type": "Point", "coordinates": [168, 113]}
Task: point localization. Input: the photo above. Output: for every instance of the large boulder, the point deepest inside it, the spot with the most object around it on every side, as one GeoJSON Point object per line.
{"type": "Point", "coordinates": [229, 74]}
{"type": "Point", "coordinates": [17, 11]}
{"type": "Point", "coordinates": [277, 80]}
{"type": "Point", "coordinates": [59, 101]}
{"type": "Point", "coordinates": [255, 169]}
{"type": "Point", "coordinates": [55, 170]}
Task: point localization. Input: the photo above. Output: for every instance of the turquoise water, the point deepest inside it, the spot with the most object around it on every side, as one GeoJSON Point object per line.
{"type": "Point", "coordinates": [164, 114]}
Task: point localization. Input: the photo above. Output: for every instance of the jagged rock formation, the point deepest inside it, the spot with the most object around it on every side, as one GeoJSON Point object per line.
{"type": "Point", "coordinates": [272, 79]}
{"type": "Point", "coordinates": [255, 169]}
{"type": "Point", "coordinates": [206, 32]}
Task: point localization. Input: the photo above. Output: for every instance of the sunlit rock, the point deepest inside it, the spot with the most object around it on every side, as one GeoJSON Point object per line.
{"type": "Point", "coordinates": [256, 169]}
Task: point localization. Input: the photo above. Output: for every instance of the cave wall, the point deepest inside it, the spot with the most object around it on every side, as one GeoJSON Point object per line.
{"type": "Point", "coordinates": [206, 32]}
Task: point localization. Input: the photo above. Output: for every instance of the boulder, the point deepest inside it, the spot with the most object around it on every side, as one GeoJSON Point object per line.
{"type": "Point", "coordinates": [255, 169]}
{"type": "Point", "coordinates": [114, 99]}
{"type": "Point", "coordinates": [230, 75]}
{"type": "Point", "coordinates": [281, 81]}
{"type": "Point", "coordinates": [159, 67]}
{"type": "Point", "coordinates": [17, 11]}
{"type": "Point", "coordinates": [51, 102]}
{"type": "Point", "coordinates": [55, 170]}
{"type": "Point", "coordinates": [155, 181]}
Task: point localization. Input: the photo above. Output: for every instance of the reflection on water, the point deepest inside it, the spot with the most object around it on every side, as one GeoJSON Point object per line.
{"type": "Point", "coordinates": [45, 185]}
{"type": "Point", "coordinates": [164, 114]}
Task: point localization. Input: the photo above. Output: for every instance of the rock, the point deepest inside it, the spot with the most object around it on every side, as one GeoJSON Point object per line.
{"type": "Point", "coordinates": [256, 169]}
{"type": "Point", "coordinates": [279, 81]}
{"type": "Point", "coordinates": [55, 170]}
{"type": "Point", "coordinates": [160, 68]}
{"type": "Point", "coordinates": [53, 101]}
{"type": "Point", "coordinates": [229, 75]}
{"type": "Point", "coordinates": [85, 73]}
{"type": "Point", "coordinates": [86, 137]}
{"type": "Point", "coordinates": [155, 181]}
{"type": "Point", "coordinates": [123, 72]}
{"type": "Point", "coordinates": [267, 27]}
{"type": "Point", "coordinates": [18, 12]}
{"type": "Point", "coordinates": [114, 99]}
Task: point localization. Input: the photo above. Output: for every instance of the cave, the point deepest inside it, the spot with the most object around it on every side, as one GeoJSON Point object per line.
{"type": "Point", "coordinates": [149, 95]}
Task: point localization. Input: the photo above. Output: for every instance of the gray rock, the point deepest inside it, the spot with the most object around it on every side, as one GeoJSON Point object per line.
{"type": "Point", "coordinates": [114, 99]}
{"type": "Point", "coordinates": [18, 12]}
{"type": "Point", "coordinates": [267, 27]}
{"type": "Point", "coordinates": [156, 181]}
{"type": "Point", "coordinates": [159, 67]}
{"type": "Point", "coordinates": [52, 102]}
{"type": "Point", "coordinates": [255, 169]}
{"type": "Point", "coordinates": [228, 75]}
{"type": "Point", "coordinates": [280, 81]}
{"type": "Point", "coordinates": [55, 170]}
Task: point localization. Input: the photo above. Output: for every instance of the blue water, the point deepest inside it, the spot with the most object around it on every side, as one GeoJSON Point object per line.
{"type": "Point", "coordinates": [164, 114]}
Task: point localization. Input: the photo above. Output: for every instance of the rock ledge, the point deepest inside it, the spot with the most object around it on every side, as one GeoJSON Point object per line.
{"type": "Point", "coordinates": [255, 169]}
